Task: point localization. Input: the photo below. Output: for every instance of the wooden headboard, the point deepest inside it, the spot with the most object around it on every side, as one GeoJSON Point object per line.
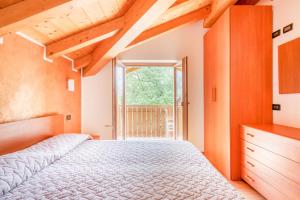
{"type": "Point", "coordinates": [18, 135]}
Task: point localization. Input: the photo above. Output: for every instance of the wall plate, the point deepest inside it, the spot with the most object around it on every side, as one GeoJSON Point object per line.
{"type": "Point", "coordinates": [287, 28]}
{"type": "Point", "coordinates": [276, 33]}
{"type": "Point", "coordinates": [276, 107]}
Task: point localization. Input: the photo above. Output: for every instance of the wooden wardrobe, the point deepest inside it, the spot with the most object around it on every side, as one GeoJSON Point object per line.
{"type": "Point", "coordinates": [237, 82]}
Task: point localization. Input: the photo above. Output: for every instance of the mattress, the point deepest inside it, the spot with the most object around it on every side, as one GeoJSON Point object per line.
{"type": "Point", "coordinates": [93, 169]}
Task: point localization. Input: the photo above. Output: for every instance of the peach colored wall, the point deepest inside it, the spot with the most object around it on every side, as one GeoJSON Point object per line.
{"type": "Point", "coordinates": [30, 86]}
{"type": "Point", "coordinates": [285, 12]}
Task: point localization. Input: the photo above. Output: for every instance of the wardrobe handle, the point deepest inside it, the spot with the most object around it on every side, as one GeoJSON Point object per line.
{"type": "Point", "coordinates": [214, 94]}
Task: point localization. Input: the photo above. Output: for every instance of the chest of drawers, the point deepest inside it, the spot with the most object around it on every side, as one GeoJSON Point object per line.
{"type": "Point", "coordinates": [270, 160]}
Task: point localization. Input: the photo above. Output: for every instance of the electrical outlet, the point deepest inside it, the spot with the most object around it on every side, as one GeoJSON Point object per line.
{"type": "Point", "coordinates": [276, 107]}
{"type": "Point", "coordinates": [68, 117]}
{"type": "Point", "coordinates": [1, 40]}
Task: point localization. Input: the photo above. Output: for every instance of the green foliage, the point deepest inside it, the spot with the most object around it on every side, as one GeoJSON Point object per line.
{"type": "Point", "coordinates": [150, 86]}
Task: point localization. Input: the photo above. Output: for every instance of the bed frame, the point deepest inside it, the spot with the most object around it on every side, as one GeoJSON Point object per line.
{"type": "Point", "coordinates": [18, 135]}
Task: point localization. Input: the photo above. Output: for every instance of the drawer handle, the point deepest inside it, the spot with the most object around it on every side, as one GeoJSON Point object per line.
{"type": "Point", "coordinates": [251, 135]}
{"type": "Point", "coordinates": [250, 178]}
{"type": "Point", "coordinates": [252, 150]}
{"type": "Point", "coordinates": [251, 164]}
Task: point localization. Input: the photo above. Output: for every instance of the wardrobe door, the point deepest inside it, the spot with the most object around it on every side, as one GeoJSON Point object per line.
{"type": "Point", "coordinates": [251, 72]}
{"type": "Point", "coordinates": [216, 95]}
{"type": "Point", "coordinates": [222, 92]}
{"type": "Point", "coordinates": [209, 98]}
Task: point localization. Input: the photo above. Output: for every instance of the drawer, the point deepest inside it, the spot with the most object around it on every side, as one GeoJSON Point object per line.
{"type": "Point", "coordinates": [273, 178]}
{"type": "Point", "coordinates": [262, 187]}
{"type": "Point", "coordinates": [284, 146]}
{"type": "Point", "coordinates": [282, 165]}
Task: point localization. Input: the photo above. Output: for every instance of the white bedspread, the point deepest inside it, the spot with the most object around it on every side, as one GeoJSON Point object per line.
{"type": "Point", "coordinates": [127, 170]}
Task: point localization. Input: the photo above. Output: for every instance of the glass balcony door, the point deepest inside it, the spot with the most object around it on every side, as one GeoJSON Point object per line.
{"type": "Point", "coordinates": [150, 102]}
{"type": "Point", "coordinates": [181, 100]}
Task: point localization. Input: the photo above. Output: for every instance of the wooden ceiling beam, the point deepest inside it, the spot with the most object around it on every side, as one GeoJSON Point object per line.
{"type": "Point", "coordinates": [247, 2]}
{"type": "Point", "coordinates": [139, 17]}
{"type": "Point", "coordinates": [82, 62]}
{"type": "Point", "coordinates": [218, 7]}
{"type": "Point", "coordinates": [170, 25]}
{"type": "Point", "coordinates": [27, 11]}
{"type": "Point", "coordinates": [88, 37]}
{"type": "Point", "coordinates": [84, 38]}
{"type": "Point", "coordinates": [178, 2]}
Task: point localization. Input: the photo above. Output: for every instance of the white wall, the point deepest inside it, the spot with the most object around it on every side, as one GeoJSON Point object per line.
{"type": "Point", "coordinates": [96, 103]}
{"type": "Point", "coordinates": [184, 41]}
{"type": "Point", "coordinates": [285, 12]}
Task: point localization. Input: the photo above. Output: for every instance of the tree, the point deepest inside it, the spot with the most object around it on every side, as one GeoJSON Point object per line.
{"type": "Point", "coordinates": [150, 86]}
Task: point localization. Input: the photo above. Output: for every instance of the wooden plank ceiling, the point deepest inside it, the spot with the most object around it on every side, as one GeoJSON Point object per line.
{"type": "Point", "coordinates": [93, 31]}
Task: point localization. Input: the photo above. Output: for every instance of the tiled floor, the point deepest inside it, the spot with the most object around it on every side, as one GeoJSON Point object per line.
{"type": "Point", "coordinates": [248, 192]}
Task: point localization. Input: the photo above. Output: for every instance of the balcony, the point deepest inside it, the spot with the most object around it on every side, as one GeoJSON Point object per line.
{"type": "Point", "coordinates": [151, 121]}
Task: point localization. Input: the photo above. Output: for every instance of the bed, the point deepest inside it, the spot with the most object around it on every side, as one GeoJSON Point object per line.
{"type": "Point", "coordinates": [72, 166]}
